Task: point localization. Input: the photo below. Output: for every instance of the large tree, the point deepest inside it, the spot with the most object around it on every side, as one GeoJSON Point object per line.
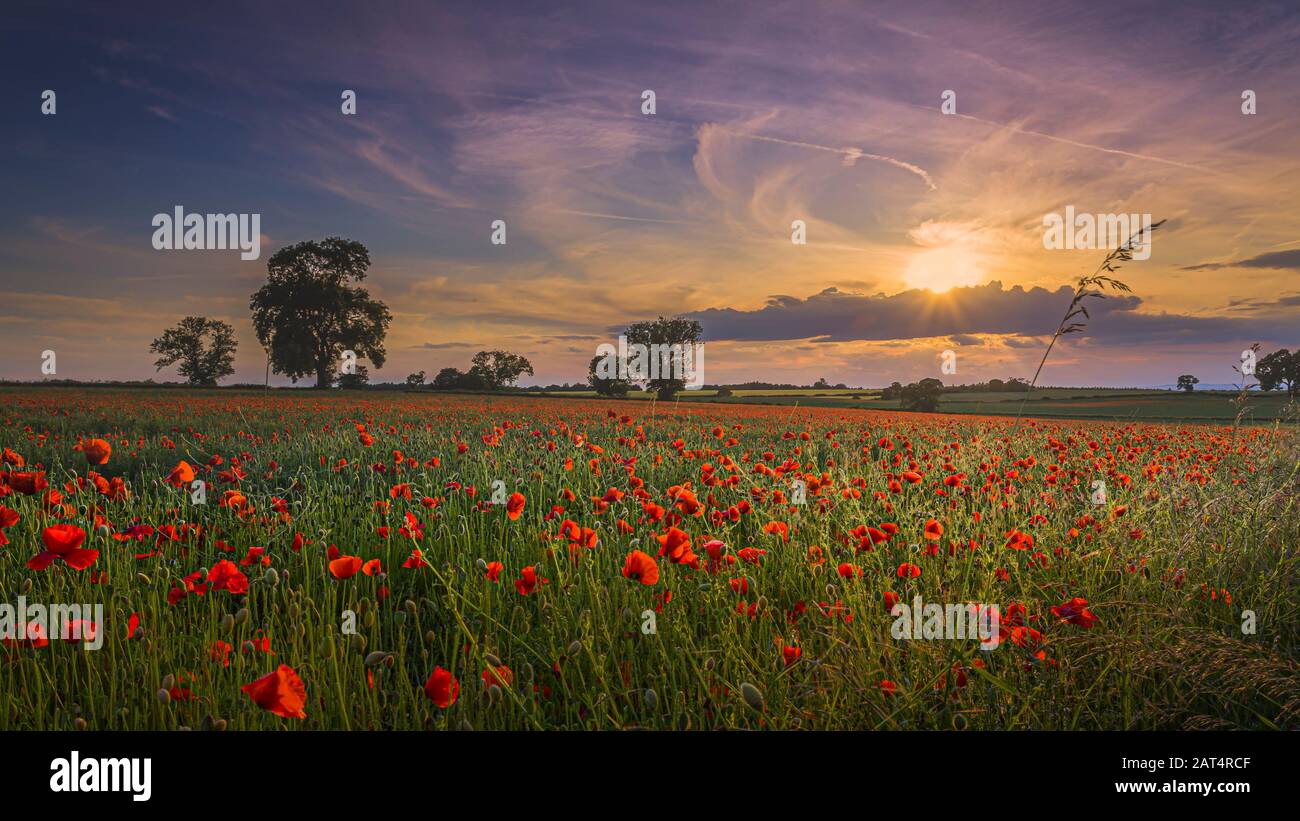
{"type": "Point", "coordinates": [307, 314]}
{"type": "Point", "coordinates": [1187, 382]}
{"type": "Point", "coordinates": [1279, 370]}
{"type": "Point", "coordinates": [500, 369]}
{"type": "Point", "coordinates": [678, 331]}
{"type": "Point", "coordinates": [204, 347]}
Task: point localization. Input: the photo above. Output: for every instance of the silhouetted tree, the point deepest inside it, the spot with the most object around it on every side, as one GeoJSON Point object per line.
{"type": "Point", "coordinates": [204, 347]}
{"type": "Point", "coordinates": [307, 314]}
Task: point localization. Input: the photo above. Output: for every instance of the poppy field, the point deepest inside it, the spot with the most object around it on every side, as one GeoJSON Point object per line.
{"type": "Point", "coordinates": [299, 560]}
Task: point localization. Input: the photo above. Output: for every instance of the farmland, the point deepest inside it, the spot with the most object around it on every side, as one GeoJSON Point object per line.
{"type": "Point", "coordinates": [1069, 403]}
{"type": "Point", "coordinates": [417, 561]}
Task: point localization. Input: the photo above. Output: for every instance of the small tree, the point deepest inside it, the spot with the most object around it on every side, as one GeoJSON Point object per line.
{"type": "Point", "coordinates": [1279, 370]}
{"type": "Point", "coordinates": [447, 378]}
{"type": "Point", "coordinates": [415, 380]}
{"type": "Point", "coordinates": [500, 369]}
{"type": "Point", "coordinates": [605, 386]}
{"type": "Point", "coordinates": [1187, 382]}
{"type": "Point", "coordinates": [922, 396]}
{"type": "Point", "coordinates": [353, 381]}
{"type": "Point", "coordinates": [204, 347]}
{"type": "Point", "coordinates": [677, 331]}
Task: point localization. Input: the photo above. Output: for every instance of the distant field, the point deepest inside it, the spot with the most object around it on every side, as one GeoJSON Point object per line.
{"type": "Point", "coordinates": [1075, 403]}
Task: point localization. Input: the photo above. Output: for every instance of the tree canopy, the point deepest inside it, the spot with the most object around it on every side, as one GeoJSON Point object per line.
{"type": "Point", "coordinates": [307, 313]}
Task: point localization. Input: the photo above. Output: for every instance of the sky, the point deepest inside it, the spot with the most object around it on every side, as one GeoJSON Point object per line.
{"type": "Point", "coordinates": [924, 229]}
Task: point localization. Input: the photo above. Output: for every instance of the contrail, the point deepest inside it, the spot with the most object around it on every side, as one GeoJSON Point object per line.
{"type": "Point", "coordinates": [851, 155]}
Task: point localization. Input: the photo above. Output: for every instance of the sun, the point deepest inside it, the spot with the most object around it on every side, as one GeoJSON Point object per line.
{"type": "Point", "coordinates": [942, 269]}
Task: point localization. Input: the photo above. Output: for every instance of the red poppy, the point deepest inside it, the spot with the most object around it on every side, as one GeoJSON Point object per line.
{"type": "Point", "coordinates": [515, 506]}
{"type": "Point", "coordinates": [97, 451]}
{"type": "Point", "coordinates": [345, 567]}
{"type": "Point", "coordinates": [907, 570]}
{"type": "Point", "coordinates": [442, 687]}
{"type": "Point", "coordinates": [640, 567]}
{"type": "Point", "coordinates": [28, 483]}
{"type": "Point", "coordinates": [225, 575]}
{"type": "Point", "coordinates": [502, 676]}
{"type": "Point", "coordinates": [280, 692]}
{"type": "Point", "coordinates": [1076, 612]}
{"type": "Point", "coordinates": [63, 542]}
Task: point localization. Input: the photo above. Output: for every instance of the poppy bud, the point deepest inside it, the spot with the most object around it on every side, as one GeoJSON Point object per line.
{"type": "Point", "coordinates": [143, 579]}
{"type": "Point", "coordinates": [429, 637]}
{"type": "Point", "coordinates": [574, 648]}
{"type": "Point", "coordinates": [752, 696]}
{"type": "Point", "coordinates": [227, 623]}
{"type": "Point", "coordinates": [241, 615]}
{"type": "Point", "coordinates": [410, 607]}
{"type": "Point", "coordinates": [651, 699]}
{"type": "Point", "coordinates": [375, 658]}
{"type": "Point", "coordinates": [168, 681]}
{"type": "Point", "coordinates": [164, 697]}
{"type": "Point", "coordinates": [492, 660]}
{"type": "Point", "coordinates": [272, 578]}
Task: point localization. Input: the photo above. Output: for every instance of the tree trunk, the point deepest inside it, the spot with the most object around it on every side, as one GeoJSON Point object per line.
{"type": "Point", "coordinates": [323, 375]}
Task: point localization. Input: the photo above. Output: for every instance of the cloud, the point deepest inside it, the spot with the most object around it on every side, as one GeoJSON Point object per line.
{"type": "Point", "coordinates": [1274, 259]}
{"type": "Point", "coordinates": [834, 316]}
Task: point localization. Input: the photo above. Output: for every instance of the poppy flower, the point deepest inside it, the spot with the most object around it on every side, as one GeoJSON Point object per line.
{"type": "Point", "coordinates": [280, 692]}
{"type": "Point", "coordinates": [1076, 612]}
{"type": "Point", "coordinates": [493, 571]}
{"type": "Point", "coordinates": [502, 676]}
{"type": "Point", "coordinates": [907, 570]}
{"type": "Point", "coordinates": [790, 654]}
{"type": "Point", "coordinates": [933, 530]}
{"type": "Point", "coordinates": [97, 451]}
{"type": "Point", "coordinates": [640, 567]}
{"type": "Point", "coordinates": [182, 474]}
{"type": "Point", "coordinates": [63, 542]}
{"type": "Point", "coordinates": [225, 575]}
{"type": "Point", "coordinates": [515, 505]}
{"type": "Point", "coordinates": [29, 483]}
{"type": "Point", "coordinates": [442, 688]}
{"type": "Point", "coordinates": [528, 581]}
{"type": "Point", "coordinates": [345, 567]}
